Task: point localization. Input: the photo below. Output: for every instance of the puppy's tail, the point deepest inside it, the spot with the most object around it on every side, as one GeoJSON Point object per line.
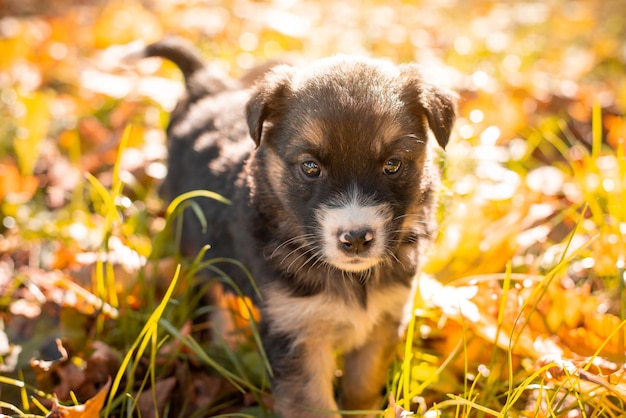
{"type": "Point", "coordinates": [173, 48]}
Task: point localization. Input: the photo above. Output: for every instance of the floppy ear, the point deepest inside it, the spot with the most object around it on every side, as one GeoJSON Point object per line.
{"type": "Point", "coordinates": [268, 98]}
{"type": "Point", "coordinates": [427, 100]}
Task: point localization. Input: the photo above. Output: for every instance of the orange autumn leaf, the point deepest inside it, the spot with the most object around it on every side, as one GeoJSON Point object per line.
{"type": "Point", "coordinates": [14, 186]}
{"type": "Point", "coordinates": [616, 127]}
{"type": "Point", "coordinates": [89, 409]}
{"type": "Point", "coordinates": [563, 320]}
{"type": "Point", "coordinates": [243, 309]}
{"type": "Point", "coordinates": [598, 330]}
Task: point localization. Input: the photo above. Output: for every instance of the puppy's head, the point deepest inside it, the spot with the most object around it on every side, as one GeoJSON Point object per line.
{"type": "Point", "coordinates": [343, 157]}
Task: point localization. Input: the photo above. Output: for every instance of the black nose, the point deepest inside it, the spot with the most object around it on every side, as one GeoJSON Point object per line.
{"type": "Point", "coordinates": [356, 241]}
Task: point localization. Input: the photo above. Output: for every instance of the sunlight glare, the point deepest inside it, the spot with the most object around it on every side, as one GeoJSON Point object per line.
{"type": "Point", "coordinates": [463, 45]}
{"type": "Point", "coordinates": [511, 63]}
{"type": "Point", "coordinates": [480, 78]}
{"type": "Point", "coordinates": [466, 131]}
{"type": "Point", "coordinates": [476, 116]}
{"type": "Point", "coordinates": [490, 136]}
{"type": "Point", "coordinates": [497, 41]}
{"type": "Point", "coordinates": [608, 185]}
{"type": "Point", "coordinates": [248, 41]}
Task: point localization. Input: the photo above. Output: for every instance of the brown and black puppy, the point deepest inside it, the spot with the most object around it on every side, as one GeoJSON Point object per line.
{"type": "Point", "coordinates": [331, 176]}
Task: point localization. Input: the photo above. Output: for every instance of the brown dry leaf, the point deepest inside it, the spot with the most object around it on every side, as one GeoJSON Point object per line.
{"type": "Point", "coordinates": [175, 345]}
{"type": "Point", "coordinates": [73, 374]}
{"type": "Point", "coordinates": [89, 409]}
{"type": "Point", "coordinates": [585, 375]}
{"type": "Point", "coordinates": [92, 133]}
{"type": "Point", "coordinates": [59, 376]}
{"type": "Point", "coordinates": [161, 394]}
{"type": "Point", "coordinates": [103, 363]}
{"type": "Point", "coordinates": [200, 389]}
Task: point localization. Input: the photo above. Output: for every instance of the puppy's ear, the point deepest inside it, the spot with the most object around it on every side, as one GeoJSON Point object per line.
{"type": "Point", "coordinates": [427, 100]}
{"type": "Point", "coordinates": [268, 98]}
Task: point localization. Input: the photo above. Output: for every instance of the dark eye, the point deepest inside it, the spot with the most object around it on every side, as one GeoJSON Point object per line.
{"type": "Point", "coordinates": [311, 169]}
{"type": "Point", "coordinates": [392, 166]}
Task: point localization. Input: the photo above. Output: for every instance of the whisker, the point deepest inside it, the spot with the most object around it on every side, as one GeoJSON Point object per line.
{"type": "Point", "coordinates": [302, 254]}
{"type": "Point", "coordinates": [300, 247]}
{"type": "Point", "coordinates": [290, 241]}
{"type": "Point", "coordinates": [392, 255]}
{"type": "Point", "coordinates": [346, 277]}
{"type": "Point", "coordinates": [314, 255]}
{"type": "Point", "coordinates": [319, 258]}
{"type": "Point", "coordinates": [420, 219]}
{"type": "Point", "coordinates": [365, 276]}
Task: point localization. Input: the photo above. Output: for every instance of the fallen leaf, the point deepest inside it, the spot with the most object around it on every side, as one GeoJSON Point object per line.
{"type": "Point", "coordinates": [161, 394]}
{"type": "Point", "coordinates": [588, 374]}
{"type": "Point", "coordinates": [89, 409]}
{"type": "Point", "coordinates": [15, 186]}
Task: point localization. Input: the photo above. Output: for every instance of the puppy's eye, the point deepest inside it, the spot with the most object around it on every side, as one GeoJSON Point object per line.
{"type": "Point", "coordinates": [392, 166]}
{"type": "Point", "coordinates": [311, 169]}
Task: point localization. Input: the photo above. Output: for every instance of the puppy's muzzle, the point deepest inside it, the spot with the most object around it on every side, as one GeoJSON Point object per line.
{"type": "Point", "coordinates": [354, 232]}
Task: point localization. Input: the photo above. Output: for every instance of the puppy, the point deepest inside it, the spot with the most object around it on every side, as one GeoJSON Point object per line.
{"type": "Point", "coordinates": [331, 176]}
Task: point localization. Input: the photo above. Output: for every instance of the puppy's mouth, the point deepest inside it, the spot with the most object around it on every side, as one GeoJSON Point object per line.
{"type": "Point", "coordinates": [353, 233]}
{"type": "Point", "coordinates": [356, 265]}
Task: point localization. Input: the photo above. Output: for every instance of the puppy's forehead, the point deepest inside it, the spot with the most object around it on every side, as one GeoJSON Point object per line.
{"type": "Point", "coordinates": [338, 132]}
{"type": "Point", "coordinates": [349, 80]}
{"type": "Point", "coordinates": [344, 97]}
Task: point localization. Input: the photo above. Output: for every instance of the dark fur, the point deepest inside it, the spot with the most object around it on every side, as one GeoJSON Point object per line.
{"type": "Point", "coordinates": [350, 115]}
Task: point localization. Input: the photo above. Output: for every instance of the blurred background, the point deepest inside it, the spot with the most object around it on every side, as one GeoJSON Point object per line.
{"type": "Point", "coordinates": [534, 173]}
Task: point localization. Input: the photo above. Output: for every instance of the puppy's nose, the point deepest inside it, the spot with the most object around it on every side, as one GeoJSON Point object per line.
{"type": "Point", "coordinates": [356, 241]}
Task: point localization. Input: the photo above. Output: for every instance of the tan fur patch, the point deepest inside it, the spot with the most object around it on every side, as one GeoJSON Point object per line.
{"type": "Point", "coordinates": [345, 324]}
{"type": "Point", "coordinates": [319, 367]}
{"type": "Point", "coordinates": [313, 131]}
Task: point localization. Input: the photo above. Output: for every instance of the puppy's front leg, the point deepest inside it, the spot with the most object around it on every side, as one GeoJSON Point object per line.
{"type": "Point", "coordinates": [303, 376]}
{"type": "Point", "coordinates": [366, 370]}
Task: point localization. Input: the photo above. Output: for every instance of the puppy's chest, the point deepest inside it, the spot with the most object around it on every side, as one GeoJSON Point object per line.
{"type": "Point", "coordinates": [344, 324]}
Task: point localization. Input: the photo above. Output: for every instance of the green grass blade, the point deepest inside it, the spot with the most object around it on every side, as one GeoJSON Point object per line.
{"type": "Point", "coordinates": [142, 340]}
{"type": "Point", "coordinates": [194, 193]}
